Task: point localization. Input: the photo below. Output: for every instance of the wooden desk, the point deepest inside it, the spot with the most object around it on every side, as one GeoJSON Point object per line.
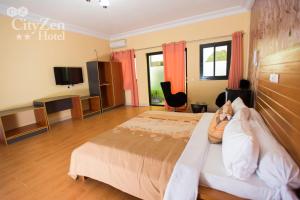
{"type": "Point", "coordinates": [81, 107]}
{"type": "Point", "coordinates": [10, 129]}
{"type": "Point", "coordinates": [60, 103]}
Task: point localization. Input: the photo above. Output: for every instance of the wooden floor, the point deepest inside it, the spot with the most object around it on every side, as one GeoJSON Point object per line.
{"type": "Point", "coordinates": [36, 168]}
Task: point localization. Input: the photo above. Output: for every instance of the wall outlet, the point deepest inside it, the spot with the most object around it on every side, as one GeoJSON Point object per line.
{"type": "Point", "coordinates": [274, 78]}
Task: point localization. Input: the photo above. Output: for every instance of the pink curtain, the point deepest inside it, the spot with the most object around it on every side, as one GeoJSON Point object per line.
{"type": "Point", "coordinates": [236, 66]}
{"type": "Point", "coordinates": [128, 69]}
{"type": "Point", "coordinates": [174, 59]}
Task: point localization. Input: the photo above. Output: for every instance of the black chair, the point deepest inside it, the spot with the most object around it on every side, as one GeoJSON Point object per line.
{"type": "Point", "coordinates": [173, 100]}
{"type": "Point", "coordinates": [220, 101]}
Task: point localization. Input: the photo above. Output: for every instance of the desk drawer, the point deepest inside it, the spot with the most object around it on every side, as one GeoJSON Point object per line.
{"type": "Point", "coordinates": [59, 105]}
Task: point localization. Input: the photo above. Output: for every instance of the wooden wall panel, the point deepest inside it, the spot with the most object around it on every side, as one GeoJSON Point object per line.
{"type": "Point", "coordinates": [275, 26]}
{"type": "Point", "coordinates": [279, 103]}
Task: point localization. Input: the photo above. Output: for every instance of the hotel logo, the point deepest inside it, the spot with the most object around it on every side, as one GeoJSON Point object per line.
{"type": "Point", "coordinates": [41, 29]}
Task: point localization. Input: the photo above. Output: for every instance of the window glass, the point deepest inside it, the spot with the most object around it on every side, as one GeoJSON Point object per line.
{"type": "Point", "coordinates": [221, 61]}
{"type": "Point", "coordinates": [215, 60]}
{"type": "Point", "coordinates": [208, 64]}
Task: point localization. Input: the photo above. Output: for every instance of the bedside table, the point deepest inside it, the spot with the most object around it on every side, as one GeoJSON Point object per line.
{"type": "Point", "coordinates": [199, 108]}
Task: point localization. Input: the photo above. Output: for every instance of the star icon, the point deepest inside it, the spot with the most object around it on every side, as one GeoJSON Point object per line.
{"type": "Point", "coordinates": [19, 37]}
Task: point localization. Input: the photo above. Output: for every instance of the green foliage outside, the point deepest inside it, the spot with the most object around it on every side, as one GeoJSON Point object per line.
{"type": "Point", "coordinates": [157, 76]}
{"type": "Point", "coordinates": [157, 63]}
{"type": "Point", "coordinates": [220, 56]}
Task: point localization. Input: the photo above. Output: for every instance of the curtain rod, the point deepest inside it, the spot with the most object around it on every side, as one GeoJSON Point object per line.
{"type": "Point", "coordinates": [189, 41]}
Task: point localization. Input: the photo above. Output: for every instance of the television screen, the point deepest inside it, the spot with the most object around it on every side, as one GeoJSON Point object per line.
{"type": "Point", "coordinates": [68, 75]}
{"type": "Point", "coordinates": [75, 75]}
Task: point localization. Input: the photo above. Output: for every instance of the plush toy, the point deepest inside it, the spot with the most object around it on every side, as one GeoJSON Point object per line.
{"type": "Point", "coordinates": [219, 122]}
{"type": "Point", "coordinates": [226, 111]}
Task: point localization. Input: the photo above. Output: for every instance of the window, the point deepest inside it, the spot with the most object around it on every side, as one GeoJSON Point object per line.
{"type": "Point", "coordinates": [215, 60]}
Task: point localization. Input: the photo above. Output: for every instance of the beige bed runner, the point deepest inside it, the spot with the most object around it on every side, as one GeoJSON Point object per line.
{"type": "Point", "coordinates": [137, 156]}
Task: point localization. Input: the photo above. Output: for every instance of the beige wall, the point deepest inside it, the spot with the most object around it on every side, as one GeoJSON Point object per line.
{"type": "Point", "coordinates": [26, 67]}
{"type": "Point", "coordinates": [202, 91]}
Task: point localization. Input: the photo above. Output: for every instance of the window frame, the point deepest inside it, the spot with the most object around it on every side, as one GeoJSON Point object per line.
{"type": "Point", "coordinates": [215, 44]}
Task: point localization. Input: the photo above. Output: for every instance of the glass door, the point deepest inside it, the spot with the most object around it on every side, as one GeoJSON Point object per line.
{"type": "Point", "coordinates": [155, 65]}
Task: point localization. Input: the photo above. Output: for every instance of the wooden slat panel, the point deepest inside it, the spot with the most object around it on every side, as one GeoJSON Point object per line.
{"type": "Point", "coordinates": [279, 103]}
{"type": "Point", "coordinates": [285, 127]}
{"type": "Point", "coordinates": [288, 92]}
{"type": "Point", "coordinates": [282, 68]}
{"type": "Point", "coordinates": [291, 55]}
{"type": "Point", "coordinates": [287, 104]}
{"type": "Point", "coordinates": [288, 79]}
{"type": "Point", "coordinates": [272, 126]}
{"type": "Point", "coordinates": [291, 145]}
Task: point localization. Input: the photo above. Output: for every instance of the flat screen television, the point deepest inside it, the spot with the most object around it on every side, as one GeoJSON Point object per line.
{"type": "Point", "coordinates": [68, 75]}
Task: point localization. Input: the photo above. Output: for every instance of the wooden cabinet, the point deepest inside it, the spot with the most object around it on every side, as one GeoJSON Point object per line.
{"type": "Point", "coordinates": [106, 81]}
{"type": "Point", "coordinates": [119, 95]}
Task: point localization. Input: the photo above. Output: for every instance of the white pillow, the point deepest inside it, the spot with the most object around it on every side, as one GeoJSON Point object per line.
{"type": "Point", "coordinates": [240, 149]}
{"type": "Point", "coordinates": [242, 114]}
{"type": "Point", "coordinates": [276, 168]}
{"type": "Point", "coordinates": [237, 104]}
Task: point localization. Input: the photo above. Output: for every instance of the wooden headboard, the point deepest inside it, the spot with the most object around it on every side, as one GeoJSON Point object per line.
{"type": "Point", "coordinates": [279, 103]}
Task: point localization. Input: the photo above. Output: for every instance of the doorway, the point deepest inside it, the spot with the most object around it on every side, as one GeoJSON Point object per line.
{"type": "Point", "coordinates": [155, 65]}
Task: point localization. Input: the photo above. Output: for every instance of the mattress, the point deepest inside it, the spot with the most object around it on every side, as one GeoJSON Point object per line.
{"type": "Point", "coordinates": [214, 176]}
{"type": "Point", "coordinates": [137, 156]}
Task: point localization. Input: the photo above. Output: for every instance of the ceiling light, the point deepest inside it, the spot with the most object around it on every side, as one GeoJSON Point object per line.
{"type": "Point", "coordinates": [103, 3]}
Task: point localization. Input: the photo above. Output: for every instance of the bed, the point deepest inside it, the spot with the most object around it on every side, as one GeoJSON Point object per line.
{"type": "Point", "coordinates": [137, 156]}
{"type": "Point", "coordinates": [163, 155]}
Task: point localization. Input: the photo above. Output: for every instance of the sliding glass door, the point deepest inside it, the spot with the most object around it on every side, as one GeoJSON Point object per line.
{"type": "Point", "coordinates": [155, 77]}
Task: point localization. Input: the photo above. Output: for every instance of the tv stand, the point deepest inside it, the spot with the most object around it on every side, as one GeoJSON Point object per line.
{"type": "Point", "coordinates": [73, 102]}
{"type": "Point", "coordinates": [60, 103]}
{"type": "Point", "coordinates": [10, 129]}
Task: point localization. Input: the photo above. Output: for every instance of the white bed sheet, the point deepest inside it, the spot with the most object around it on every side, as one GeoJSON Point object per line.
{"type": "Point", "coordinates": [183, 183]}
{"type": "Point", "coordinates": [214, 176]}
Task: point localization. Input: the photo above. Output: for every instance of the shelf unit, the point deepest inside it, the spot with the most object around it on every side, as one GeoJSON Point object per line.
{"type": "Point", "coordinates": [90, 105]}
{"type": "Point", "coordinates": [11, 131]}
{"type": "Point", "coordinates": [107, 96]}
{"type": "Point", "coordinates": [105, 84]}
{"type": "Point", "coordinates": [106, 81]}
{"type": "Point", "coordinates": [106, 89]}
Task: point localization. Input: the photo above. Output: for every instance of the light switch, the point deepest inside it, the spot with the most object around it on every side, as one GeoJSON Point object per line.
{"type": "Point", "coordinates": [274, 78]}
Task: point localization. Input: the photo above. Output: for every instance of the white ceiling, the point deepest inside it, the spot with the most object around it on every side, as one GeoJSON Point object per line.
{"type": "Point", "coordinates": [127, 17]}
